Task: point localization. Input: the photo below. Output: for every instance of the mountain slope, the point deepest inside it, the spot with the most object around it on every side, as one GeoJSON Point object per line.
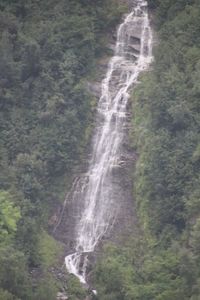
{"type": "Point", "coordinates": [164, 262]}
{"type": "Point", "coordinates": [47, 49]}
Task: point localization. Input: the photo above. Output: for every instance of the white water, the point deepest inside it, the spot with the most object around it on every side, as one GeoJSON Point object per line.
{"type": "Point", "coordinates": [97, 191]}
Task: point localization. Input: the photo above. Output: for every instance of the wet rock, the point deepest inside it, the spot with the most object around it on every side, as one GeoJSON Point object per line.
{"type": "Point", "coordinates": [111, 47]}
{"type": "Point", "coordinates": [134, 40]}
{"type": "Point", "coordinates": [114, 36]}
{"type": "Point", "coordinates": [135, 48]}
{"type": "Point", "coordinates": [131, 56]}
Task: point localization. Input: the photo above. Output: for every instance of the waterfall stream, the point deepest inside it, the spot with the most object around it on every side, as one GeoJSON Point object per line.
{"type": "Point", "coordinates": [97, 189]}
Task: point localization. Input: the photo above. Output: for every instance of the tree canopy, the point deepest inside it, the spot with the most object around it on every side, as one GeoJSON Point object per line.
{"type": "Point", "coordinates": [47, 49]}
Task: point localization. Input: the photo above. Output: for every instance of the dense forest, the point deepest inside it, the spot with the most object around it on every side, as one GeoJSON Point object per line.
{"type": "Point", "coordinates": [163, 262]}
{"type": "Point", "coordinates": [47, 50]}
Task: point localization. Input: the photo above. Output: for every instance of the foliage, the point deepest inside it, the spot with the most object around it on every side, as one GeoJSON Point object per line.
{"type": "Point", "coordinates": [4, 295]}
{"type": "Point", "coordinates": [14, 277]}
{"type": "Point", "coordinates": [48, 250]}
{"type": "Point", "coordinates": [75, 290]}
{"type": "Point", "coordinates": [47, 289]}
{"type": "Point", "coordinates": [166, 127]}
{"type": "Point", "coordinates": [47, 49]}
{"type": "Point", "coordinates": [135, 272]}
{"type": "Point", "coordinates": [9, 216]}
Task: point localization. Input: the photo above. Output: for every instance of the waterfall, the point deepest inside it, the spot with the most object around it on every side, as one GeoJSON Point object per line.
{"type": "Point", "coordinates": [98, 189]}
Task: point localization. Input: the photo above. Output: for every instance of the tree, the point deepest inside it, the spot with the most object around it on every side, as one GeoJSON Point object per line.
{"type": "Point", "coordinates": [9, 216]}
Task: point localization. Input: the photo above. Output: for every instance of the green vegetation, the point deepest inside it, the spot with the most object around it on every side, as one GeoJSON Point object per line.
{"type": "Point", "coordinates": [48, 250]}
{"type": "Point", "coordinates": [164, 263]}
{"type": "Point", "coordinates": [9, 216]}
{"type": "Point", "coordinates": [47, 49]}
{"type": "Point", "coordinates": [75, 290]}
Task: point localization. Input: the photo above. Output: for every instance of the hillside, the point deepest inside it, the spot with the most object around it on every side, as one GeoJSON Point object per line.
{"type": "Point", "coordinates": [164, 262]}
{"type": "Point", "coordinates": [47, 49]}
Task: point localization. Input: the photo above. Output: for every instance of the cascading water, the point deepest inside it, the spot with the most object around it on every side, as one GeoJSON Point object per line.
{"type": "Point", "coordinates": [97, 189]}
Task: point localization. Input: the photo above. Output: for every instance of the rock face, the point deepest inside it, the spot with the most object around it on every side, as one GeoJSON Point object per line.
{"type": "Point", "coordinates": [94, 88]}
{"type": "Point", "coordinates": [100, 203]}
